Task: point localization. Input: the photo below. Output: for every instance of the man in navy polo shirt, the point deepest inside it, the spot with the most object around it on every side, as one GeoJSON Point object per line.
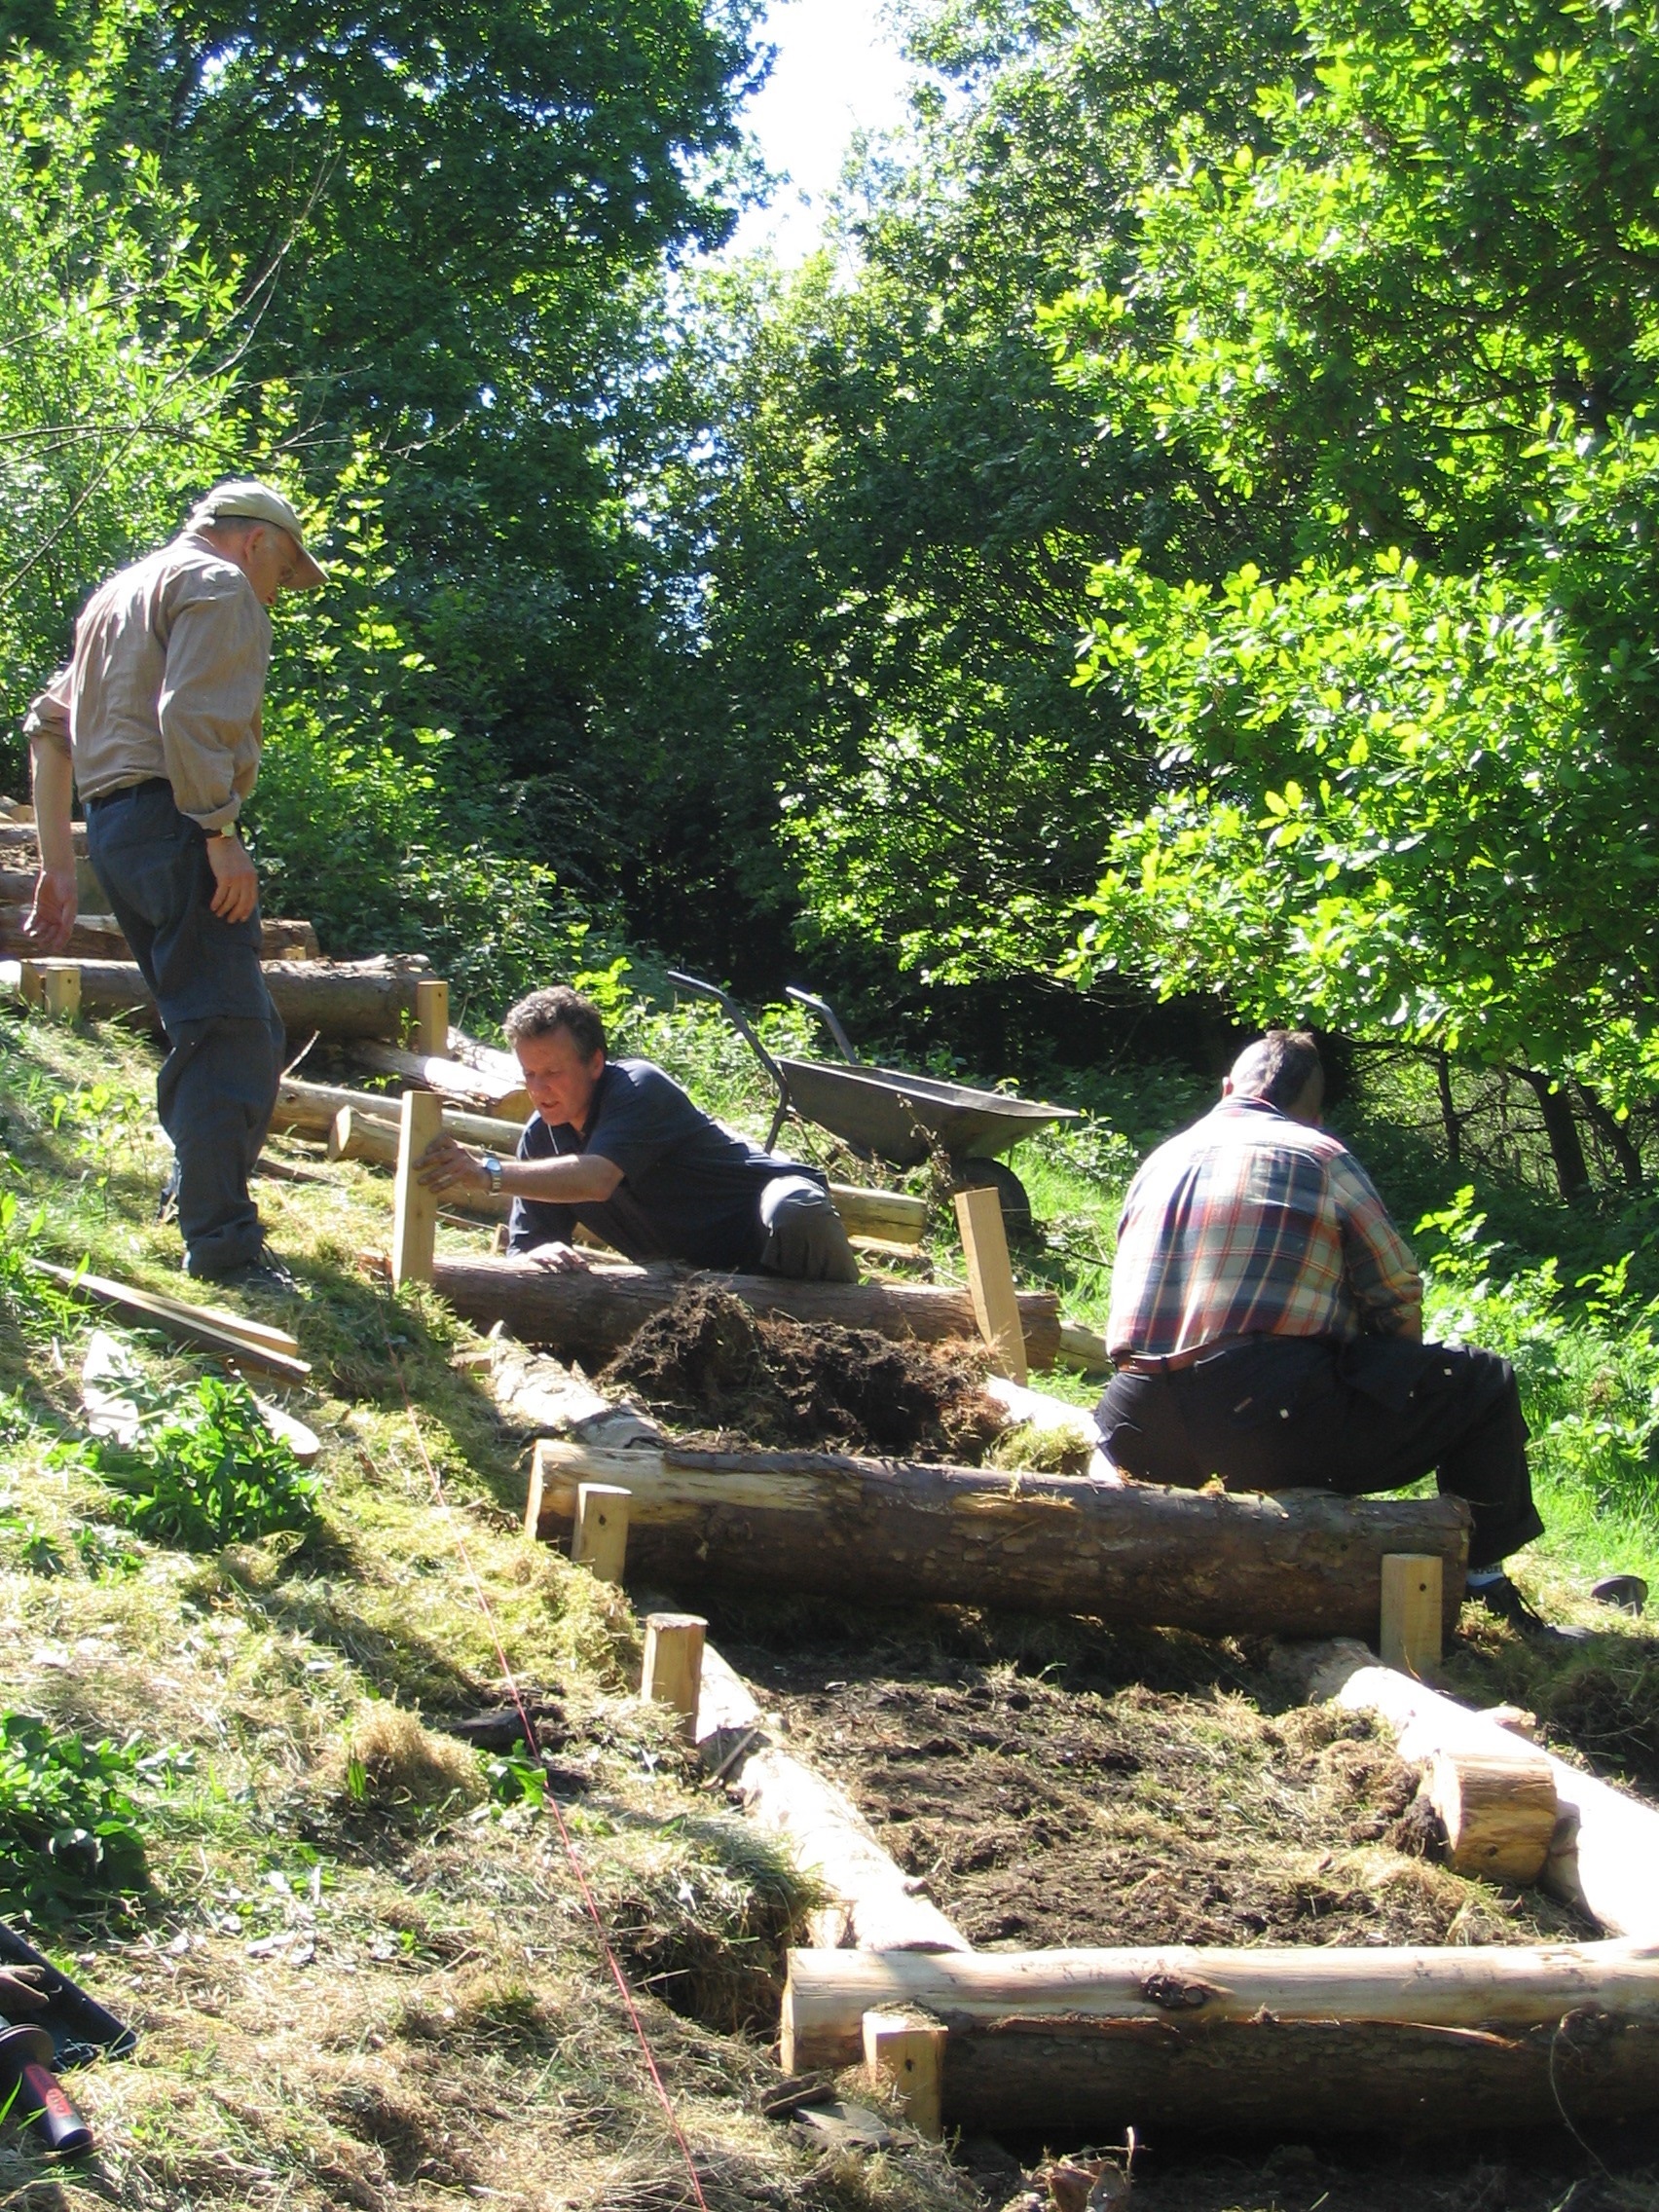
{"type": "Point", "coordinates": [617, 1146]}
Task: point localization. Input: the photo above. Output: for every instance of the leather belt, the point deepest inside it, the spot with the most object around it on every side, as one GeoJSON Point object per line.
{"type": "Point", "coordinates": [126, 791]}
{"type": "Point", "coordinates": [1174, 1362]}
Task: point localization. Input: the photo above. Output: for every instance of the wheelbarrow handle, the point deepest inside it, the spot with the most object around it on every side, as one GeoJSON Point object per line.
{"type": "Point", "coordinates": [825, 1013]}
{"type": "Point", "coordinates": [739, 1020]}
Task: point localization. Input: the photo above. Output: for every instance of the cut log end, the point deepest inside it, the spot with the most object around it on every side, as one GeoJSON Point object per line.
{"type": "Point", "coordinates": [1498, 1810]}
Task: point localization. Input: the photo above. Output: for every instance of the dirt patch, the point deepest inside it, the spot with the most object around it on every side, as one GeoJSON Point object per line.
{"type": "Point", "coordinates": [707, 1363]}
{"type": "Point", "coordinates": [1038, 1812]}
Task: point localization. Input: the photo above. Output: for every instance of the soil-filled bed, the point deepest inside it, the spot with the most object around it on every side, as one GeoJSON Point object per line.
{"type": "Point", "coordinates": [1056, 1782]}
{"type": "Point", "coordinates": [1052, 1786]}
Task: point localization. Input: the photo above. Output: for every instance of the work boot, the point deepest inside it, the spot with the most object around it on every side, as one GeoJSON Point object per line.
{"type": "Point", "coordinates": [1502, 1598]}
{"type": "Point", "coordinates": [264, 1273]}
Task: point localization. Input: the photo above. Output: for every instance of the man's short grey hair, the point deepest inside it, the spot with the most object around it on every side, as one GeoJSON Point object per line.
{"type": "Point", "coordinates": [558, 1008]}
{"type": "Point", "coordinates": [1283, 1068]}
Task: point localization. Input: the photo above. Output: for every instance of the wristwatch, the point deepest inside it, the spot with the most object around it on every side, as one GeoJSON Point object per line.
{"type": "Point", "coordinates": [492, 1171]}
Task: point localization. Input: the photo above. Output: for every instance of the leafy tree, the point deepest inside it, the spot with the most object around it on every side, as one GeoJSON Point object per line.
{"type": "Point", "coordinates": [905, 504]}
{"type": "Point", "coordinates": [1406, 783]}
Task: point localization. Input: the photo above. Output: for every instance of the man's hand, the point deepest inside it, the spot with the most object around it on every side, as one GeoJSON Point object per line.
{"type": "Point", "coordinates": [558, 1259]}
{"type": "Point", "coordinates": [19, 1992]}
{"type": "Point", "coordinates": [446, 1165]}
{"type": "Point", "coordinates": [237, 883]}
{"type": "Point", "coordinates": [48, 921]}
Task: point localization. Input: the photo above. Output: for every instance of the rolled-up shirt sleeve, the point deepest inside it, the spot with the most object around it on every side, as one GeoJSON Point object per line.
{"type": "Point", "coordinates": [1382, 1277]}
{"type": "Point", "coordinates": [48, 716]}
{"type": "Point", "coordinates": [217, 651]}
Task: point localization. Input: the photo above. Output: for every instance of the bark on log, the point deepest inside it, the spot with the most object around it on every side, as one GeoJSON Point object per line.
{"type": "Point", "coordinates": [1341, 2038]}
{"type": "Point", "coordinates": [1606, 1844]}
{"type": "Point", "coordinates": [817, 1522]}
{"type": "Point", "coordinates": [98, 937]}
{"type": "Point", "coordinates": [505, 1094]}
{"type": "Point", "coordinates": [1325, 2078]}
{"type": "Point", "coordinates": [590, 1315]}
{"type": "Point", "coordinates": [346, 999]}
{"type": "Point", "coordinates": [542, 1395]}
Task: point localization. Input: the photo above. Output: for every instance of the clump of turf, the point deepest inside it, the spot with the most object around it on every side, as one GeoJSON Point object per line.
{"type": "Point", "coordinates": [707, 1361]}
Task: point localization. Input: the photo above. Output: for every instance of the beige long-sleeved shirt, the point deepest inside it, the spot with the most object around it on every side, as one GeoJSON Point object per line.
{"type": "Point", "coordinates": [168, 680]}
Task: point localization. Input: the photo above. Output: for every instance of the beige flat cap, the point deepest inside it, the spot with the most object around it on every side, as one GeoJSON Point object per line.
{"type": "Point", "coordinates": [244, 499]}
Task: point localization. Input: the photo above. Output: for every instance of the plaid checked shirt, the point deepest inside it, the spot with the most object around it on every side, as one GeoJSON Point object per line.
{"type": "Point", "coordinates": [1251, 1223]}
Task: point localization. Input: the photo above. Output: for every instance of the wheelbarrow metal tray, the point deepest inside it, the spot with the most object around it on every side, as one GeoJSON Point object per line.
{"type": "Point", "coordinates": [901, 1118]}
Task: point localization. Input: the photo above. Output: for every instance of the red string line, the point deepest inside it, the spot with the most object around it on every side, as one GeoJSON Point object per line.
{"type": "Point", "coordinates": [549, 1800]}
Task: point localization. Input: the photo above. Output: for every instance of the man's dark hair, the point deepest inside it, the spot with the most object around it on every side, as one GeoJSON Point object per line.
{"type": "Point", "coordinates": [559, 1007]}
{"type": "Point", "coordinates": [1284, 1068]}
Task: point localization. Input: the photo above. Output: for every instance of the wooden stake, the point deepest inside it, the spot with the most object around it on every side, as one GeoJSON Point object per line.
{"type": "Point", "coordinates": [674, 1664]}
{"type": "Point", "coordinates": [60, 993]}
{"type": "Point", "coordinates": [906, 2051]}
{"type": "Point", "coordinates": [30, 985]}
{"type": "Point", "coordinates": [990, 1278]}
{"type": "Point", "coordinates": [599, 1541]}
{"type": "Point", "coordinates": [1499, 1811]}
{"type": "Point", "coordinates": [1408, 1637]}
{"type": "Point", "coordinates": [415, 1220]}
{"type": "Point", "coordinates": [432, 1017]}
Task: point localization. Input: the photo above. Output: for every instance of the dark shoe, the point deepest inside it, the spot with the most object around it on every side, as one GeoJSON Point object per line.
{"type": "Point", "coordinates": [265, 1273]}
{"type": "Point", "coordinates": [1502, 1598]}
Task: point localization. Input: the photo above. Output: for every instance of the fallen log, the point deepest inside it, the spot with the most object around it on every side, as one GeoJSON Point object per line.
{"type": "Point", "coordinates": [540, 1393]}
{"type": "Point", "coordinates": [504, 1094]}
{"type": "Point", "coordinates": [347, 999]}
{"type": "Point", "coordinates": [315, 1107]}
{"type": "Point", "coordinates": [870, 1901]}
{"type": "Point", "coordinates": [15, 837]}
{"type": "Point", "coordinates": [1331, 2041]}
{"type": "Point", "coordinates": [98, 937]}
{"type": "Point", "coordinates": [1216, 1563]}
{"type": "Point", "coordinates": [592, 1314]}
{"type": "Point", "coordinates": [1605, 1846]}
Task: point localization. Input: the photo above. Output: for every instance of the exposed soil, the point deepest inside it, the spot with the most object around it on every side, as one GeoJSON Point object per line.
{"type": "Point", "coordinates": [707, 1363]}
{"type": "Point", "coordinates": [1043, 1803]}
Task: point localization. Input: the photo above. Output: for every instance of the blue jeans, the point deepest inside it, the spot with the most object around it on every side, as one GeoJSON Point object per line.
{"type": "Point", "coordinates": [217, 1087]}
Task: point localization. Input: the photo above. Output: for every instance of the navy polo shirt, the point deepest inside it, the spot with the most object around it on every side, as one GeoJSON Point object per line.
{"type": "Point", "coordinates": [690, 1189]}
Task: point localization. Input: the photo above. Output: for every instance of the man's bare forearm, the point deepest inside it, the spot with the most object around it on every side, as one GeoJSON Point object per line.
{"type": "Point", "coordinates": [53, 780]}
{"type": "Point", "coordinates": [572, 1180]}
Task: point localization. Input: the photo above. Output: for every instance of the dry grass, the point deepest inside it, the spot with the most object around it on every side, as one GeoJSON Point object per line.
{"type": "Point", "coordinates": [363, 1976]}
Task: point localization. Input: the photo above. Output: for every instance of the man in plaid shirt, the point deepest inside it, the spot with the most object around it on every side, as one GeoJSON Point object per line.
{"type": "Point", "coordinates": [1266, 1327]}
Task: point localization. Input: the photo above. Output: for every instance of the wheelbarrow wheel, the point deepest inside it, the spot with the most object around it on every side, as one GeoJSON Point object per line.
{"type": "Point", "coordinates": [996, 1175]}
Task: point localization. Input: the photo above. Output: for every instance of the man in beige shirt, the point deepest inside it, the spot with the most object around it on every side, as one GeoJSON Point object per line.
{"type": "Point", "coordinates": [156, 722]}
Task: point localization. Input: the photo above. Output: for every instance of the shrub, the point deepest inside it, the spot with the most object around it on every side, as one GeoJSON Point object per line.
{"type": "Point", "coordinates": [69, 1832]}
{"type": "Point", "coordinates": [204, 1470]}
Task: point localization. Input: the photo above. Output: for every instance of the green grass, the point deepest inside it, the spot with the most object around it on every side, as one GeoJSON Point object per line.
{"type": "Point", "coordinates": [356, 1953]}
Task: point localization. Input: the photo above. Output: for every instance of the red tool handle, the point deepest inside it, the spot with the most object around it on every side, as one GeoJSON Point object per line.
{"type": "Point", "coordinates": [43, 2102]}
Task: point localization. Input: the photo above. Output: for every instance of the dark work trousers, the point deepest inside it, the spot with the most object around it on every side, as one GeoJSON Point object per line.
{"type": "Point", "coordinates": [804, 1237]}
{"type": "Point", "coordinates": [217, 1087]}
{"type": "Point", "coordinates": [1305, 1413]}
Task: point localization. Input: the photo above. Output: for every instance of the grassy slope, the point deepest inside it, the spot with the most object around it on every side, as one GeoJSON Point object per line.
{"type": "Point", "coordinates": [387, 1996]}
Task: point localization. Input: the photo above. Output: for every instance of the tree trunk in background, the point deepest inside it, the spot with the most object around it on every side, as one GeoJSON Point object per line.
{"type": "Point", "coordinates": [1555, 1104]}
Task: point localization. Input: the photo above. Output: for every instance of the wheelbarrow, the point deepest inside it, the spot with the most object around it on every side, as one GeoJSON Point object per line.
{"type": "Point", "coordinates": [887, 1114]}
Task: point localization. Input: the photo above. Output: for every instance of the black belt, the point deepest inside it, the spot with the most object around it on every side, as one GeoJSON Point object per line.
{"type": "Point", "coordinates": [1176, 1362]}
{"type": "Point", "coordinates": [127, 790]}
